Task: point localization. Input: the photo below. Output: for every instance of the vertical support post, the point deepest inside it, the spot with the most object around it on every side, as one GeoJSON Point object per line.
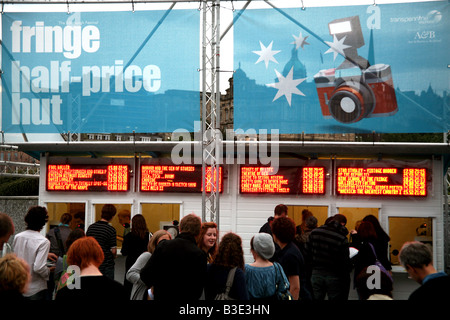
{"type": "Point", "coordinates": [211, 135]}
{"type": "Point", "coordinates": [446, 213]}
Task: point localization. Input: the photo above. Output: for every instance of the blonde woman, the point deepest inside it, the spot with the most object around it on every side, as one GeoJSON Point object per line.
{"type": "Point", "coordinates": [14, 278]}
{"type": "Point", "coordinates": [139, 290]}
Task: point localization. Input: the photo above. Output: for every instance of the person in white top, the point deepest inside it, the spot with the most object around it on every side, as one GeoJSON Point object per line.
{"type": "Point", "coordinates": [34, 248]}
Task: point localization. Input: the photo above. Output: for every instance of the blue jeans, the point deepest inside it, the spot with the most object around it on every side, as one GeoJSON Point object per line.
{"type": "Point", "coordinates": [336, 287]}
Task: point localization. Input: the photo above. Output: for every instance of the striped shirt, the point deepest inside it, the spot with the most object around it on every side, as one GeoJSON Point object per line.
{"type": "Point", "coordinates": [328, 249]}
{"type": "Point", "coordinates": [105, 234]}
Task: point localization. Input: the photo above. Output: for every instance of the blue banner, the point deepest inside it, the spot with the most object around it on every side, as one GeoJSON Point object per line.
{"type": "Point", "coordinates": [351, 69]}
{"type": "Point", "coordinates": [100, 72]}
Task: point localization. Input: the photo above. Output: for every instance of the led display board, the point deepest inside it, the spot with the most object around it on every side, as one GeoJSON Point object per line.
{"type": "Point", "coordinates": [66, 177]}
{"type": "Point", "coordinates": [176, 178]}
{"type": "Point", "coordinates": [287, 180]}
{"type": "Point", "coordinates": [382, 181]}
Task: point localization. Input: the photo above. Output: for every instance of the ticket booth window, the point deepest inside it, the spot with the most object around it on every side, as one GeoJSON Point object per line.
{"type": "Point", "coordinates": [356, 215]}
{"type": "Point", "coordinates": [320, 212]}
{"type": "Point", "coordinates": [160, 215]}
{"type": "Point", "coordinates": [56, 210]}
{"type": "Point", "coordinates": [404, 229]}
{"type": "Point", "coordinates": [121, 221]}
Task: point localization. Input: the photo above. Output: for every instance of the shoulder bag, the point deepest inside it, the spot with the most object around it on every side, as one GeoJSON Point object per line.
{"type": "Point", "coordinates": [282, 290]}
{"type": "Point", "coordinates": [225, 295]}
{"type": "Point", "coordinates": [379, 264]}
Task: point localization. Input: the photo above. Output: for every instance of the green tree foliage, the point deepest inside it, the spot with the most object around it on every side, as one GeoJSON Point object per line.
{"type": "Point", "coordinates": [11, 186]}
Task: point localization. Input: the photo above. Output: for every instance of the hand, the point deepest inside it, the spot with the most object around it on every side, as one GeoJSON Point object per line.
{"type": "Point", "coordinates": [52, 256]}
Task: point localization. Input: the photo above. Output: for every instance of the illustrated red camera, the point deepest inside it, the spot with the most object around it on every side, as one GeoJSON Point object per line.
{"type": "Point", "coordinates": [355, 90]}
{"type": "Point", "coordinates": [352, 98]}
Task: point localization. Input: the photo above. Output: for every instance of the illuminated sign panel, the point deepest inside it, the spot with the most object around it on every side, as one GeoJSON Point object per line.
{"type": "Point", "coordinates": [382, 181]}
{"type": "Point", "coordinates": [176, 178]}
{"type": "Point", "coordinates": [287, 180]}
{"type": "Point", "coordinates": [66, 177]}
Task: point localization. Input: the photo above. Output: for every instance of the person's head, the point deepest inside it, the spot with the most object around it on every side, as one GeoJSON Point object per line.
{"type": "Point", "coordinates": [36, 218]}
{"type": "Point", "coordinates": [340, 218]}
{"type": "Point", "coordinates": [78, 220]}
{"type": "Point", "coordinates": [366, 231]}
{"type": "Point", "coordinates": [6, 228]}
{"type": "Point", "coordinates": [416, 257]}
{"type": "Point", "coordinates": [85, 252]}
{"type": "Point", "coordinates": [283, 230]}
{"type": "Point", "coordinates": [230, 252]}
{"type": "Point", "coordinates": [262, 245]}
{"type": "Point", "coordinates": [191, 224]}
{"type": "Point", "coordinates": [280, 210]}
{"type": "Point", "coordinates": [108, 212]}
{"type": "Point", "coordinates": [124, 217]}
{"type": "Point", "coordinates": [139, 226]}
{"type": "Point", "coordinates": [65, 218]}
{"type": "Point", "coordinates": [328, 220]}
{"type": "Point", "coordinates": [376, 224]}
{"type": "Point", "coordinates": [156, 238]}
{"type": "Point", "coordinates": [14, 274]}
{"type": "Point", "coordinates": [366, 285]}
{"type": "Point", "coordinates": [305, 214]}
{"type": "Point", "coordinates": [207, 240]}
{"type": "Point", "coordinates": [74, 235]}
{"type": "Point", "coordinates": [311, 222]}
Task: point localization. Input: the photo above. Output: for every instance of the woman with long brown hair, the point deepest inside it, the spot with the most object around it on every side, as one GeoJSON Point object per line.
{"type": "Point", "coordinates": [229, 256]}
{"type": "Point", "coordinates": [134, 244]}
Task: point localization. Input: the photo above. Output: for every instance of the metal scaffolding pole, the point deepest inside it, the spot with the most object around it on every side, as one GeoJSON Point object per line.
{"type": "Point", "coordinates": [211, 134]}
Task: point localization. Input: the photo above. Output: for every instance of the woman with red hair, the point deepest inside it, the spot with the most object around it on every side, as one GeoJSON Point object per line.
{"type": "Point", "coordinates": [85, 256]}
{"type": "Point", "coordinates": [207, 240]}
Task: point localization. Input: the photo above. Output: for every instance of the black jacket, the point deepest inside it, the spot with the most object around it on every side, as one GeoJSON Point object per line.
{"type": "Point", "coordinates": [176, 270]}
{"type": "Point", "coordinates": [433, 290]}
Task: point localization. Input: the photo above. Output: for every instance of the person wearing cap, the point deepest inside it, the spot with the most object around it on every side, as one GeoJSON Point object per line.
{"type": "Point", "coordinates": [261, 276]}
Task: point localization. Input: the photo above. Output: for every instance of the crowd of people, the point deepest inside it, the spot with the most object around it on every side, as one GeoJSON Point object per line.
{"type": "Point", "coordinates": [306, 262]}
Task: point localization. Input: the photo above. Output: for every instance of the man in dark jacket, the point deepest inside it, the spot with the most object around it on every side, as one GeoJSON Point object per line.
{"type": "Point", "coordinates": [417, 259]}
{"type": "Point", "coordinates": [177, 268]}
{"type": "Point", "coordinates": [328, 250]}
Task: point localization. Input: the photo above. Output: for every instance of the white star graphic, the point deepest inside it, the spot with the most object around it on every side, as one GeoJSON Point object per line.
{"type": "Point", "coordinates": [286, 86]}
{"type": "Point", "coordinates": [299, 41]}
{"type": "Point", "coordinates": [337, 46]}
{"type": "Point", "coordinates": [266, 54]}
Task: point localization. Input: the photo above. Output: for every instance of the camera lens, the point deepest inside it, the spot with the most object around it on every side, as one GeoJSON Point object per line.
{"type": "Point", "coordinates": [351, 102]}
{"type": "Point", "coordinates": [348, 105]}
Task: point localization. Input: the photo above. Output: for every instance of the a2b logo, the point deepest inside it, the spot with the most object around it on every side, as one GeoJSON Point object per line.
{"type": "Point", "coordinates": [425, 35]}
